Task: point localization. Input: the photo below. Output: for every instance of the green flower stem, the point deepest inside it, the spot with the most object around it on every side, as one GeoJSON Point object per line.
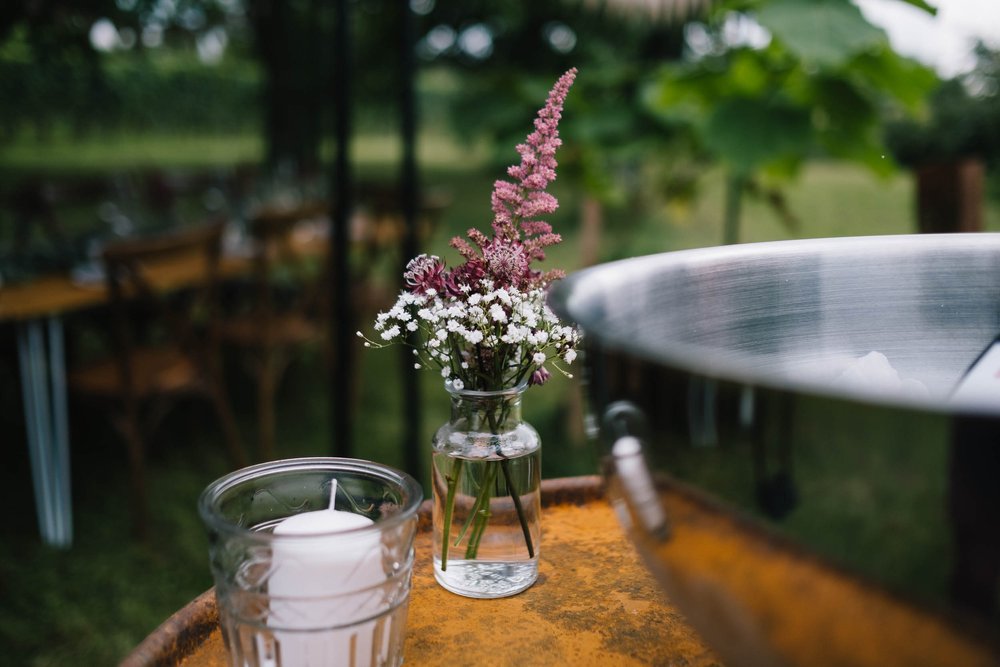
{"type": "Point", "coordinates": [449, 508]}
{"type": "Point", "coordinates": [479, 515]}
{"type": "Point", "coordinates": [482, 515]}
{"type": "Point", "coordinates": [505, 467]}
{"type": "Point", "coordinates": [473, 513]}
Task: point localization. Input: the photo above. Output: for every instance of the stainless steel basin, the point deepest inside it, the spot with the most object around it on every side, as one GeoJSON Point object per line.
{"type": "Point", "coordinates": [782, 433]}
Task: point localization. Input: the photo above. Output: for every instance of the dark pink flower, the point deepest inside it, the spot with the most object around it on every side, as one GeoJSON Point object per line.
{"type": "Point", "coordinates": [423, 273]}
{"type": "Point", "coordinates": [465, 275]}
{"type": "Point", "coordinates": [507, 262]}
{"type": "Point", "coordinates": [540, 376]}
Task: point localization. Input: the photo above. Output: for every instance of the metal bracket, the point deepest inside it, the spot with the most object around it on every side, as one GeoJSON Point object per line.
{"type": "Point", "coordinates": [621, 419]}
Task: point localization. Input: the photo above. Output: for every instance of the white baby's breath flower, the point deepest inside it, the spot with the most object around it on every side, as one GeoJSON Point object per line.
{"type": "Point", "coordinates": [538, 358]}
{"type": "Point", "coordinates": [515, 334]}
{"type": "Point", "coordinates": [569, 356]}
{"type": "Point", "coordinates": [497, 313]}
{"type": "Point", "coordinates": [445, 372]}
{"type": "Point", "coordinates": [390, 333]}
{"type": "Point", "coordinates": [458, 384]}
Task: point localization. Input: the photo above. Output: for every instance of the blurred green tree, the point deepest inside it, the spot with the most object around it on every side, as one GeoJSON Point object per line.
{"type": "Point", "coordinates": [951, 145]}
{"type": "Point", "coordinates": [507, 55]}
{"type": "Point", "coordinates": [962, 118]}
{"type": "Point", "coordinates": [119, 64]}
{"type": "Point", "coordinates": [50, 42]}
{"type": "Point", "coordinates": [288, 43]}
{"type": "Point", "coordinates": [770, 83]}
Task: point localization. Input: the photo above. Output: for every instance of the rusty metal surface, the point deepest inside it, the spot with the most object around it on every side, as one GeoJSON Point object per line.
{"type": "Point", "coordinates": [593, 604]}
{"type": "Point", "coordinates": [758, 599]}
{"type": "Point", "coordinates": [187, 632]}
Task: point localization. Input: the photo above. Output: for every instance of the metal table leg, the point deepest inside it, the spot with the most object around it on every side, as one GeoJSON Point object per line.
{"type": "Point", "coordinates": [43, 383]}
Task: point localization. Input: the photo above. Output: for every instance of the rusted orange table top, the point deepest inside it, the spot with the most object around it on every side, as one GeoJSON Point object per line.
{"type": "Point", "coordinates": [594, 604]}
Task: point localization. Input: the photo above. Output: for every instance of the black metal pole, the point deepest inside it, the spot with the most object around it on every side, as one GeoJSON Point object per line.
{"type": "Point", "coordinates": [412, 449]}
{"type": "Point", "coordinates": [342, 326]}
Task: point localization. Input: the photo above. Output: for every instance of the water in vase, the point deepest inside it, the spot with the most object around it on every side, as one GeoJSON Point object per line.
{"type": "Point", "coordinates": [486, 523]}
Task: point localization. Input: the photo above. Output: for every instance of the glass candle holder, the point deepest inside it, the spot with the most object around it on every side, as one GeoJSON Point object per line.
{"type": "Point", "coordinates": [312, 561]}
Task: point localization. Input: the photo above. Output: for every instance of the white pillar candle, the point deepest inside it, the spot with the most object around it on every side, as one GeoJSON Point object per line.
{"type": "Point", "coordinates": [319, 582]}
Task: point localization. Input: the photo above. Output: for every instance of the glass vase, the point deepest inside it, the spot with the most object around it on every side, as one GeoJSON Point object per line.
{"type": "Point", "coordinates": [487, 495]}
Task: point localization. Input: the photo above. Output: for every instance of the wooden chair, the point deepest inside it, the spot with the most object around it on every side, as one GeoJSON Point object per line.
{"type": "Point", "coordinates": [287, 309]}
{"type": "Point", "coordinates": [164, 330]}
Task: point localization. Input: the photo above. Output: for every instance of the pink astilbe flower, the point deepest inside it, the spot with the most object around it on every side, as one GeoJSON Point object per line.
{"type": "Point", "coordinates": [518, 204]}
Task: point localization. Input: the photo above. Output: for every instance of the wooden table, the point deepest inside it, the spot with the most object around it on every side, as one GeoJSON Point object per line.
{"type": "Point", "coordinates": [594, 604]}
{"type": "Point", "coordinates": [37, 308]}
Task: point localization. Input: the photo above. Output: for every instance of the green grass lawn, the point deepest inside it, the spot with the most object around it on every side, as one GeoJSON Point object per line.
{"type": "Point", "coordinates": [89, 605]}
{"type": "Point", "coordinates": [98, 153]}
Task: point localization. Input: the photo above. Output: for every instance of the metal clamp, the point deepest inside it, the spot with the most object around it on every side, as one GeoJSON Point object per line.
{"type": "Point", "coordinates": [632, 471]}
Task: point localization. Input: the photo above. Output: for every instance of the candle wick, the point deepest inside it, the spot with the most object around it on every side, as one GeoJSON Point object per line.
{"type": "Point", "coordinates": [333, 494]}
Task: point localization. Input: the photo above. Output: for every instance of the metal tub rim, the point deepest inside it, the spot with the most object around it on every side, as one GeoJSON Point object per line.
{"type": "Point", "coordinates": [572, 299]}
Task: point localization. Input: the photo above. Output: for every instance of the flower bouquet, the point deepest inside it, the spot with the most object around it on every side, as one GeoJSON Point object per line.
{"type": "Point", "coordinates": [485, 325]}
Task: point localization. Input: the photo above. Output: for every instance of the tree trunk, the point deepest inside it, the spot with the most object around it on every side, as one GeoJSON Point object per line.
{"type": "Point", "coordinates": [950, 197]}
{"type": "Point", "coordinates": [288, 40]}
{"type": "Point", "coordinates": [735, 184]}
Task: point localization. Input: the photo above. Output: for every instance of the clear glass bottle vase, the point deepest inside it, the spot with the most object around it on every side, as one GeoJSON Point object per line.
{"type": "Point", "coordinates": [487, 495]}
